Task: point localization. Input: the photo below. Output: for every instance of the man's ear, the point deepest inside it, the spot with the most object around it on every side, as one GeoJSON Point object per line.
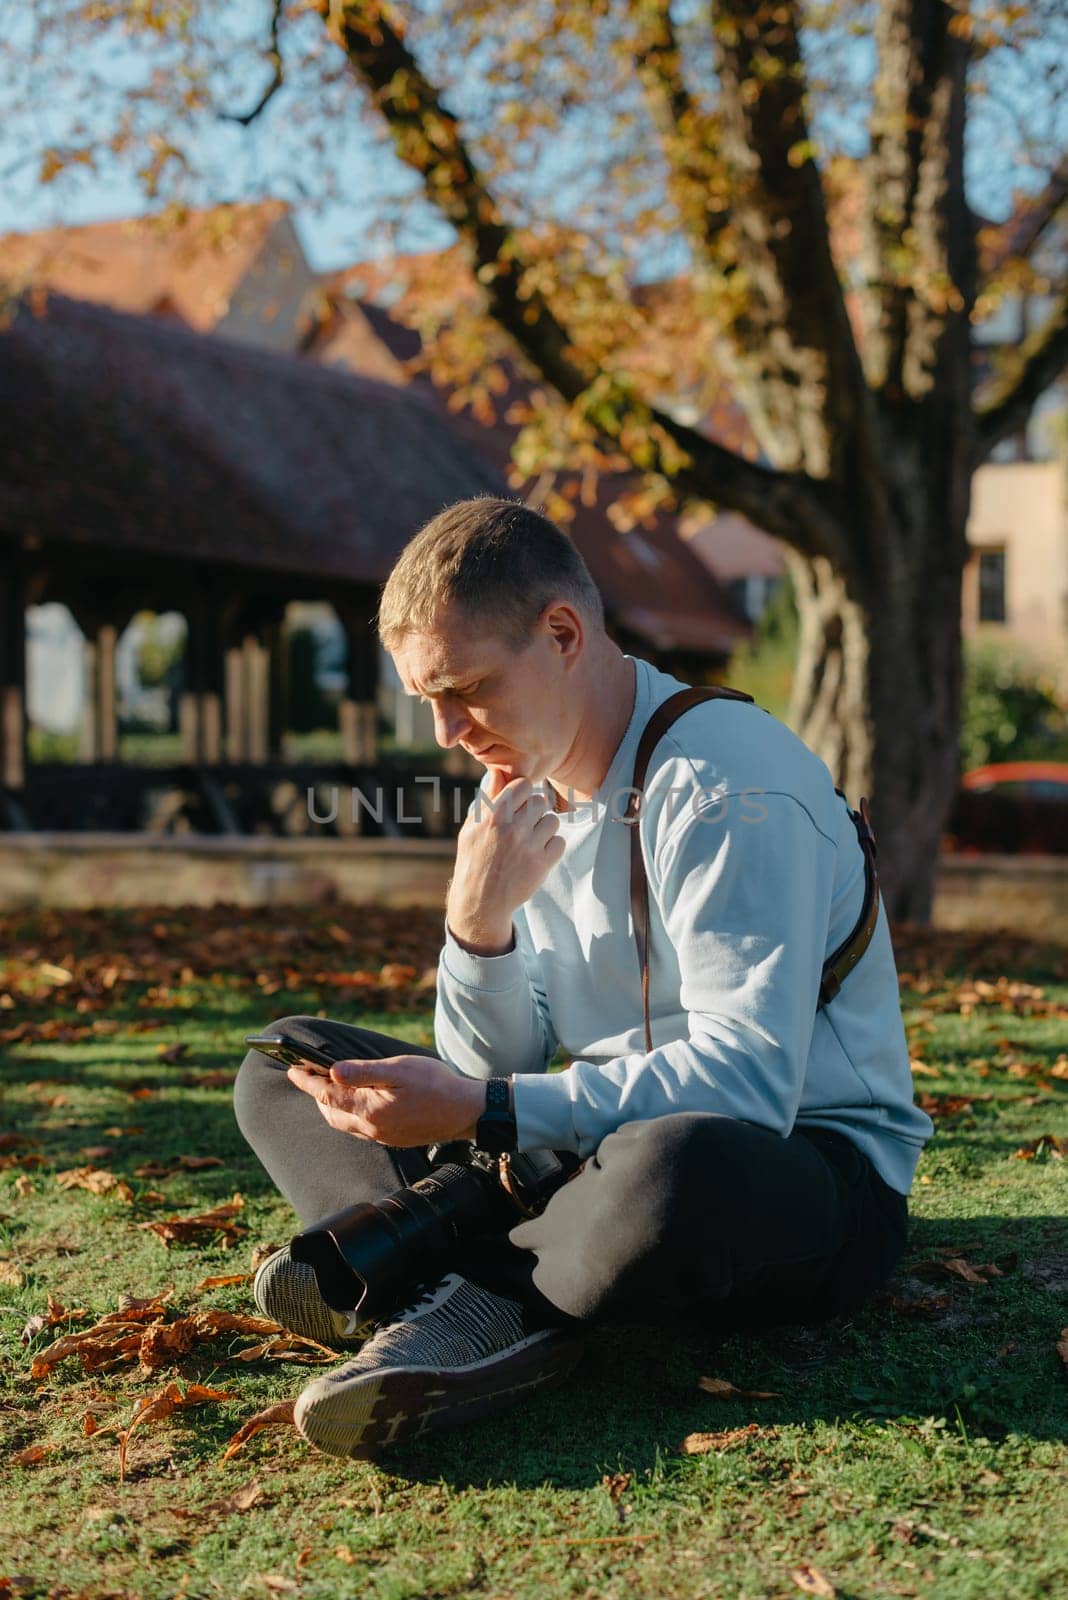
{"type": "Point", "coordinates": [565, 627]}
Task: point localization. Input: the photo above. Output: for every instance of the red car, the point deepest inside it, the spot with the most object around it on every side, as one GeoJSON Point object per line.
{"type": "Point", "coordinates": [1011, 808]}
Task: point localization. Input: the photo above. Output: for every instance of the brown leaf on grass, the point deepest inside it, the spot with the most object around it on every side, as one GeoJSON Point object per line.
{"type": "Point", "coordinates": [262, 1253]}
{"type": "Point", "coordinates": [123, 1133]}
{"type": "Point", "coordinates": [27, 1160]}
{"type": "Point", "coordinates": [722, 1390]}
{"type": "Point", "coordinates": [172, 1052]}
{"type": "Point", "coordinates": [217, 1079]}
{"type": "Point", "coordinates": [924, 1305]}
{"type": "Point", "coordinates": [167, 1169]}
{"type": "Point", "coordinates": [90, 1425]}
{"type": "Point", "coordinates": [24, 1185]}
{"type": "Point", "coordinates": [1062, 1346]}
{"type": "Point", "coordinates": [1046, 1144]}
{"type": "Point", "coordinates": [253, 1494]}
{"type": "Point", "coordinates": [154, 1408]}
{"type": "Point", "coordinates": [164, 1343]}
{"type": "Point", "coordinates": [11, 1141]}
{"type": "Point", "coordinates": [54, 1312]}
{"type": "Point", "coordinates": [812, 1581]}
{"type": "Point", "coordinates": [981, 1272]}
{"type": "Point", "coordinates": [288, 1347]}
{"type": "Point", "coordinates": [96, 1180]}
{"type": "Point", "coordinates": [133, 1309]}
{"type": "Point", "coordinates": [1059, 1068]}
{"type": "Point", "coordinates": [32, 1328]}
{"type": "Point", "coordinates": [11, 1276]}
{"type": "Point", "coordinates": [185, 1229]}
{"type": "Point", "coordinates": [222, 1281]}
{"type": "Point", "coordinates": [920, 1069]}
{"type": "Point", "coordinates": [30, 1457]}
{"type": "Point", "coordinates": [700, 1444]}
{"type": "Point", "coordinates": [949, 1105]}
{"type": "Point", "coordinates": [273, 1417]}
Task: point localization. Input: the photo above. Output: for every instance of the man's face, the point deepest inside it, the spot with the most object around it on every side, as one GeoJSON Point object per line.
{"type": "Point", "coordinates": [506, 708]}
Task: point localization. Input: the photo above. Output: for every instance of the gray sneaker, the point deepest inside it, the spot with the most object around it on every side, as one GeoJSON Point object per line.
{"type": "Point", "coordinates": [286, 1291]}
{"type": "Point", "coordinates": [456, 1354]}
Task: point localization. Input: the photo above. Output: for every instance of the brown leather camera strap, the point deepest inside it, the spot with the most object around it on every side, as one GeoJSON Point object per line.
{"type": "Point", "coordinates": [841, 962]}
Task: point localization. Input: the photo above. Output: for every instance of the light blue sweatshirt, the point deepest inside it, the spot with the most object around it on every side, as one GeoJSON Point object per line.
{"type": "Point", "coordinates": [755, 876]}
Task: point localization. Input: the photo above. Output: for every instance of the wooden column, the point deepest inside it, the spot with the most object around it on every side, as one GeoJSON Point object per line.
{"type": "Point", "coordinates": [258, 697]}
{"type": "Point", "coordinates": [107, 715]}
{"type": "Point", "coordinates": [236, 704]}
{"type": "Point", "coordinates": [13, 679]}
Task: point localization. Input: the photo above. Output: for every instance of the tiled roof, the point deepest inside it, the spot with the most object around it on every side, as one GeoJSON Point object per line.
{"type": "Point", "coordinates": [185, 269]}
{"type": "Point", "coordinates": [137, 434]}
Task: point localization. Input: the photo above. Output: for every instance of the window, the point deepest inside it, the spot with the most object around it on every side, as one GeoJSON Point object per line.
{"type": "Point", "coordinates": [992, 585]}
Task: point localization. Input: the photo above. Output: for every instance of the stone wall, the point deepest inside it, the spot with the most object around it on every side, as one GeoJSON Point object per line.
{"type": "Point", "coordinates": [1026, 894]}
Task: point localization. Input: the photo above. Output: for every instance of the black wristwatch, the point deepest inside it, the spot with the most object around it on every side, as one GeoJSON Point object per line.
{"type": "Point", "coordinates": [495, 1131]}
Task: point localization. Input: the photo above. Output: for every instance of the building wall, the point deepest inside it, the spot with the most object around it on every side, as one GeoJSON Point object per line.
{"type": "Point", "coordinates": [1021, 508]}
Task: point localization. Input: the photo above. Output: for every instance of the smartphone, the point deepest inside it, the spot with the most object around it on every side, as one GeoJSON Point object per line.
{"type": "Point", "coordinates": [290, 1053]}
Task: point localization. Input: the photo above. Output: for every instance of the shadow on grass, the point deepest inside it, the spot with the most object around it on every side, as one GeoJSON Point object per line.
{"type": "Point", "coordinates": [981, 1364]}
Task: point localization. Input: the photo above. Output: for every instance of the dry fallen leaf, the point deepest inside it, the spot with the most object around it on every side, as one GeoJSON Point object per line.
{"type": "Point", "coordinates": [812, 1581]}
{"type": "Point", "coordinates": [154, 1408]}
{"type": "Point", "coordinates": [11, 1276]}
{"type": "Point", "coordinates": [1046, 1144]}
{"type": "Point", "coordinates": [172, 1052]}
{"type": "Point", "coordinates": [217, 1221]}
{"type": "Point", "coordinates": [244, 1499]}
{"type": "Point", "coordinates": [262, 1253]}
{"type": "Point", "coordinates": [222, 1281]}
{"type": "Point", "coordinates": [699, 1444]}
{"type": "Point", "coordinates": [273, 1417]}
{"type": "Point", "coordinates": [722, 1390]}
{"type": "Point", "coordinates": [96, 1180]}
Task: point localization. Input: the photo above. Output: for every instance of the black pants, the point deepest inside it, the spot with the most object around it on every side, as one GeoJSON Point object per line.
{"type": "Point", "coordinates": [691, 1215]}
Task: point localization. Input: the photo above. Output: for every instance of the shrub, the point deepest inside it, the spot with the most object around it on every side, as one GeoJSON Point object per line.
{"type": "Point", "coordinates": [1010, 712]}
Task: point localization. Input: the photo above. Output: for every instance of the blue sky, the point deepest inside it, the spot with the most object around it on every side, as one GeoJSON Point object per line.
{"type": "Point", "coordinates": [62, 97]}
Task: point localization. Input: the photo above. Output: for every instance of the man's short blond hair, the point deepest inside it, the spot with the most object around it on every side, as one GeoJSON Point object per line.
{"type": "Point", "coordinates": [497, 561]}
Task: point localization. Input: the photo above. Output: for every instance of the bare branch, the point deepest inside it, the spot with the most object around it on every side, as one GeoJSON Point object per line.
{"type": "Point", "coordinates": [427, 138]}
{"type": "Point", "coordinates": [1018, 238]}
{"type": "Point", "coordinates": [274, 56]}
{"type": "Point", "coordinates": [1039, 362]}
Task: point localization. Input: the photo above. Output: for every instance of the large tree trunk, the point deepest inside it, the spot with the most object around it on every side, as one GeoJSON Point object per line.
{"type": "Point", "coordinates": [877, 695]}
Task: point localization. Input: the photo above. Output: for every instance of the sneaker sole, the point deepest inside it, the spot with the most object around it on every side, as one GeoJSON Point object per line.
{"type": "Point", "coordinates": [286, 1291]}
{"type": "Point", "coordinates": [385, 1407]}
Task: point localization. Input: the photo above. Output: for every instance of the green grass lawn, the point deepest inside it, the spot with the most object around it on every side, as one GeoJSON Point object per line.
{"type": "Point", "coordinates": [916, 1449]}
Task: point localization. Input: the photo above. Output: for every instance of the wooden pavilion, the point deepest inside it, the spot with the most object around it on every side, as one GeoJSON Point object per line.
{"type": "Point", "coordinates": [144, 466]}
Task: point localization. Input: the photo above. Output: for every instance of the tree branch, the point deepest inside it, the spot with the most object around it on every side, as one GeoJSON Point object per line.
{"type": "Point", "coordinates": [427, 138]}
{"type": "Point", "coordinates": [921, 232]}
{"type": "Point", "coordinates": [1018, 237]}
{"type": "Point", "coordinates": [1038, 362]}
{"type": "Point", "coordinates": [274, 56]}
{"type": "Point", "coordinates": [794, 316]}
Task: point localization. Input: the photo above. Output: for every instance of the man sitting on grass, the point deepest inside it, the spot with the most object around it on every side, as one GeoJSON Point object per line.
{"type": "Point", "coordinates": [747, 1160]}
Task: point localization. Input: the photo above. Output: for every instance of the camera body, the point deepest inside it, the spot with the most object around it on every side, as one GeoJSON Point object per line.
{"type": "Point", "coordinates": [370, 1256]}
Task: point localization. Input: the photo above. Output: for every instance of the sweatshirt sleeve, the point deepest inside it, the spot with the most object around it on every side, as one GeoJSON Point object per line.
{"type": "Point", "coordinates": [491, 1017]}
{"type": "Point", "coordinates": [746, 905]}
